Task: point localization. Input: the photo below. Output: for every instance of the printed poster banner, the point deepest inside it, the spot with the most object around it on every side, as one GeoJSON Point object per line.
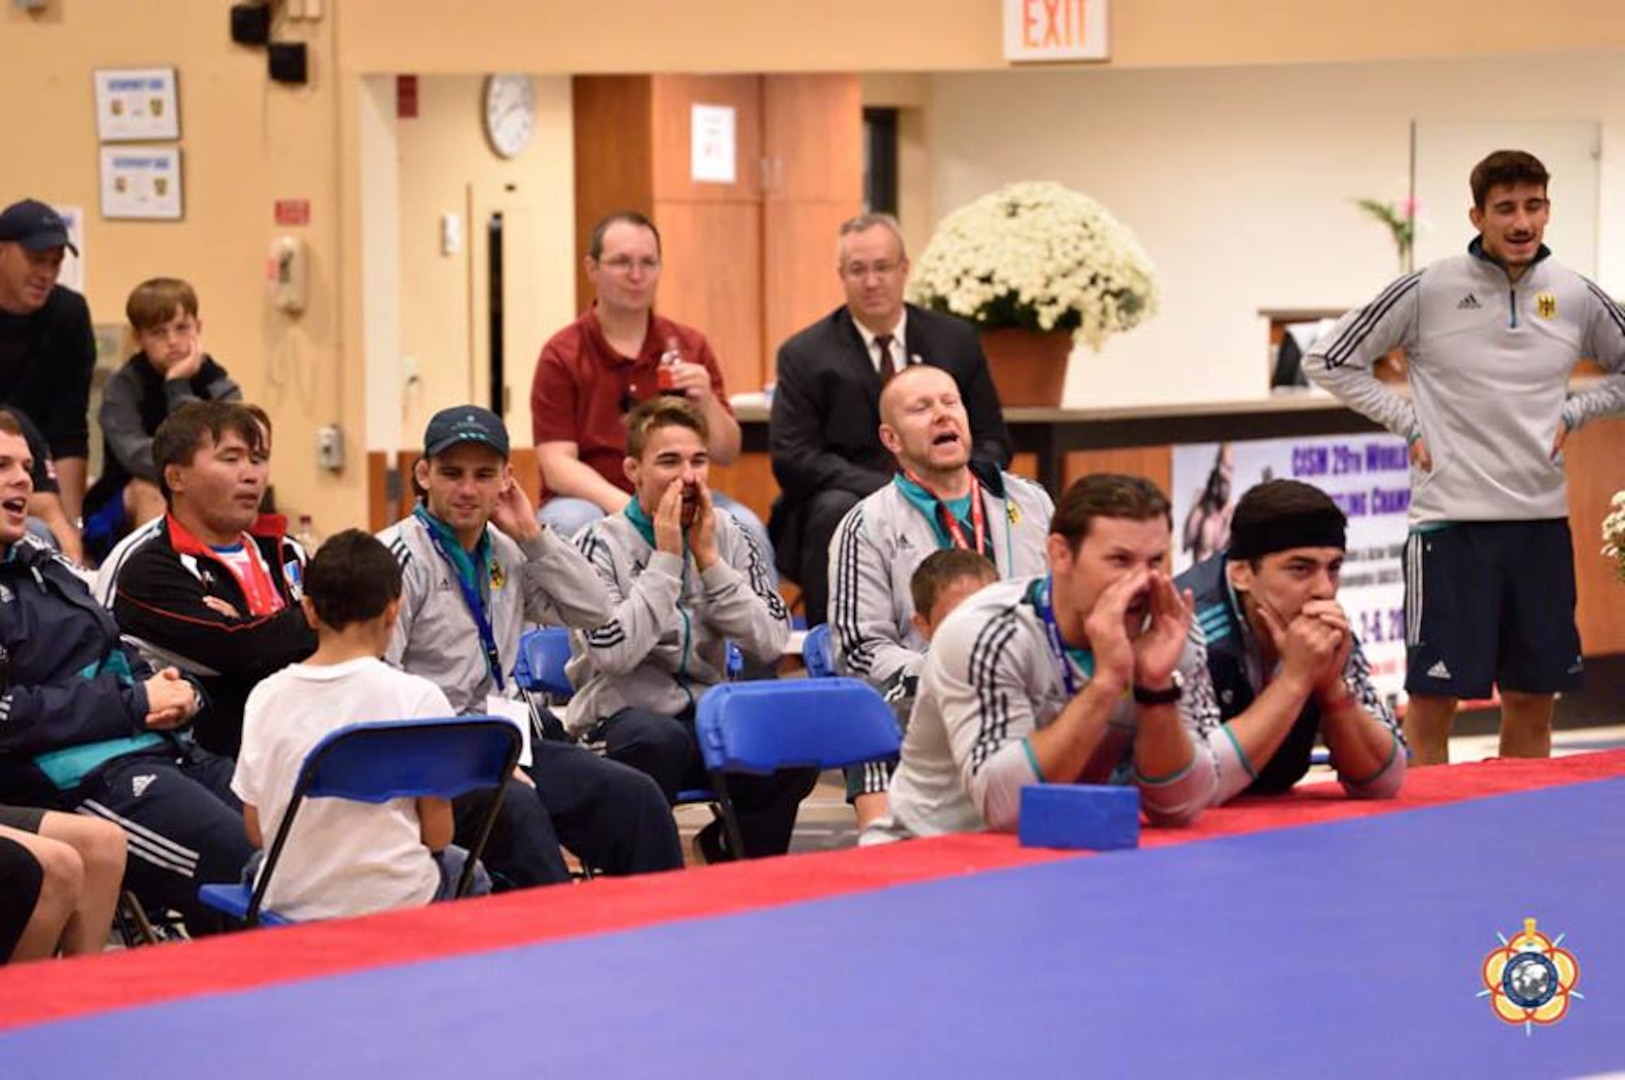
{"type": "Point", "coordinates": [1368, 475]}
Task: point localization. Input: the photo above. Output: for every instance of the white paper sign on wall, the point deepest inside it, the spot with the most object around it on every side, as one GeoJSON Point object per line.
{"type": "Point", "coordinates": [1037, 31]}
{"type": "Point", "coordinates": [714, 145]}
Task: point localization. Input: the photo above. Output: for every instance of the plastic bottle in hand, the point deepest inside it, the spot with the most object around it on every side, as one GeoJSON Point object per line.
{"type": "Point", "coordinates": [306, 536]}
{"type": "Point", "coordinates": [666, 374]}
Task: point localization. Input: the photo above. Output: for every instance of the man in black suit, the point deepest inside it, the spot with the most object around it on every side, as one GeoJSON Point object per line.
{"type": "Point", "coordinates": [825, 423]}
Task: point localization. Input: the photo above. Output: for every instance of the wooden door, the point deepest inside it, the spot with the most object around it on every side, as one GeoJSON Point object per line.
{"type": "Point", "coordinates": [813, 169]}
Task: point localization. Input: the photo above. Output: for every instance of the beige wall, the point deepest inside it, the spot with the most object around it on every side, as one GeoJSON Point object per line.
{"type": "Point", "coordinates": [910, 95]}
{"type": "Point", "coordinates": [1238, 182]}
{"type": "Point", "coordinates": [934, 35]}
{"type": "Point", "coordinates": [446, 167]}
{"type": "Point", "coordinates": [246, 142]}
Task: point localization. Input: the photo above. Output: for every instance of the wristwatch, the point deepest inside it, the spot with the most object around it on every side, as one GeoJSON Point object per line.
{"type": "Point", "coordinates": [1166, 696]}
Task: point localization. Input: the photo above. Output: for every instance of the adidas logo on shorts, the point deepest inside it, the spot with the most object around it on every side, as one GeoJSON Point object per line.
{"type": "Point", "coordinates": [1438, 670]}
{"type": "Point", "coordinates": [139, 785]}
{"type": "Point", "coordinates": [1468, 303]}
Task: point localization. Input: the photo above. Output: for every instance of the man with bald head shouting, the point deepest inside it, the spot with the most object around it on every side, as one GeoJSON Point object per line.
{"type": "Point", "coordinates": [939, 498]}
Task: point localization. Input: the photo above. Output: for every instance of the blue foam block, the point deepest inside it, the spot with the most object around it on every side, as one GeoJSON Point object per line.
{"type": "Point", "coordinates": [1094, 817]}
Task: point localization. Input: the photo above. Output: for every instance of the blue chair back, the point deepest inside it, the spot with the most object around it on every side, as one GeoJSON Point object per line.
{"type": "Point", "coordinates": [818, 652]}
{"type": "Point", "coordinates": [398, 759]}
{"type": "Point", "coordinates": [540, 668]}
{"type": "Point", "coordinates": [759, 727]}
{"type": "Point", "coordinates": [391, 759]}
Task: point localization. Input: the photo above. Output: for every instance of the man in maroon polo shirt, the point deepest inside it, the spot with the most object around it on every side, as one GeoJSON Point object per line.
{"type": "Point", "coordinates": [618, 353]}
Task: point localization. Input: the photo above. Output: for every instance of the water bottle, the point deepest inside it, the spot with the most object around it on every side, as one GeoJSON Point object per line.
{"type": "Point", "coordinates": [666, 374]}
{"type": "Point", "coordinates": [306, 536]}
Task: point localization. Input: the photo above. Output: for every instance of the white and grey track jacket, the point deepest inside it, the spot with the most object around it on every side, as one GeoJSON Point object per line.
{"type": "Point", "coordinates": [884, 539]}
{"type": "Point", "coordinates": [666, 638]}
{"type": "Point", "coordinates": [543, 581]}
{"type": "Point", "coordinates": [990, 681]}
{"type": "Point", "coordinates": [1489, 369]}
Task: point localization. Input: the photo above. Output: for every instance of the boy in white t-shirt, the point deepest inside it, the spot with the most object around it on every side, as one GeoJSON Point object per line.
{"type": "Point", "coordinates": [344, 858]}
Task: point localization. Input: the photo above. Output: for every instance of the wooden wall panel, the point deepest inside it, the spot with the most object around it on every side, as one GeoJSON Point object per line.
{"type": "Point", "coordinates": [1155, 463]}
{"type": "Point", "coordinates": [812, 137]}
{"type": "Point", "coordinates": [749, 480]}
{"type": "Point", "coordinates": [713, 280]}
{"type": "Point", "coordinates": [672, 102]}
{"type": "Point", "coordinates": [378, 505]}
{"type": "Point", "coordinates": [800, 285]}
{"type": "Point", "coordinates": [614, 155]}
{"type": "Point", "coordinates": [812, 144]}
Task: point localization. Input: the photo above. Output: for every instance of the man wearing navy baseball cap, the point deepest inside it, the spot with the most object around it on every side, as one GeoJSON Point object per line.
{"type": "Point", "coordinates": [476, 566]}
{"type": "Point", "coordinates": [47, 348]}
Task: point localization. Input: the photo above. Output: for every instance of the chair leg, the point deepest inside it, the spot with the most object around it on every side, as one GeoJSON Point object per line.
{"type": "Point", "coordinates": [730, 818]}
{"type": "Point", "coordinates": [133, 924]}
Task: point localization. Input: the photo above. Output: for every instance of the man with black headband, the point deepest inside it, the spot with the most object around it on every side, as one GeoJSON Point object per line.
{"type": "Point", "coordinates": [938, 499]}
{"type": "Point", "coordinates": [1282, 654]}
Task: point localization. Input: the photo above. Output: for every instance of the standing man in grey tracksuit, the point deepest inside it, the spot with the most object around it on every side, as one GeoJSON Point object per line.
{"type": "Point", "coordinates": [1491, 337]}
{"type": "Point", "coordinates": [682, 578]}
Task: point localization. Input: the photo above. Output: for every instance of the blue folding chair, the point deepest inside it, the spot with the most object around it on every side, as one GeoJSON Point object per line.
{"type": "Point", "coordinates": [539, 672]}
{"type": "Point", "coordinates": [543, 653]}
{"type": "Point", "coordinates": [376, 762]}
{"type": "Point", "coordinates": [761, 727]}
{"type": "Point", "coordinates": [818, 652]}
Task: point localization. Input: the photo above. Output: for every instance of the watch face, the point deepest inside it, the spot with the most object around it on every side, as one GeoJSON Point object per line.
{"type": "Point", "coordinates": [510, 113]}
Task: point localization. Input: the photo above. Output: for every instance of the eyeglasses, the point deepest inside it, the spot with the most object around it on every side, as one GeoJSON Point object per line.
{"type": "Point", "coordinates": [623, 264]}
{"type": "Point", "coordinates": [859, 271]}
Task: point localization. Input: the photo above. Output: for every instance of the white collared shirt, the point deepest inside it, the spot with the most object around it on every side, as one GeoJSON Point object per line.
{"type": "Point", "coordinates": [899, 358]}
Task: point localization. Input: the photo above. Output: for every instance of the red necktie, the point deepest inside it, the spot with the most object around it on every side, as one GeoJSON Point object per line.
{"type": "Point", "coordinates": [883, 346]}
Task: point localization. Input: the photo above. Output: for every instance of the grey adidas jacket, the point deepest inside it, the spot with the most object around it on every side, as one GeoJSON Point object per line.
{"type": "Point", "coordinates": [989, 681]}
{"type": "Point", "coordinates": [543, 581]}
{"type": "Point", "coordinates": [1489, 369]}
{"type": "Point", "coordinates": [879, 545]}
{"type": "Point", "coordinates": [666, 639]}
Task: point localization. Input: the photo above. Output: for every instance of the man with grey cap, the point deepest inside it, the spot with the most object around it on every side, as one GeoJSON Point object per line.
{"type": "Point", "coordinates": [47, 347]}
{"type": "Point", "coordinates": [1286, 666]}
{"type": "Point", "coordinates": [475, 567]}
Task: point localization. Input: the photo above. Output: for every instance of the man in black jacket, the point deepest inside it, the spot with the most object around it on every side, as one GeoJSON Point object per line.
{"type": "Point", "coordinates": [825, 423]}
{"type": "Point", "coordinates": [217, 588]}
{"type": "Point", "coordinates": [47, 347]}
{"type": "Point", "coordinates": [85, 725]}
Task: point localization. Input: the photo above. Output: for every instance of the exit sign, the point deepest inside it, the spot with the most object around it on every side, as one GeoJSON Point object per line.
{"type": "Point", "coordinates": [1040, 30]}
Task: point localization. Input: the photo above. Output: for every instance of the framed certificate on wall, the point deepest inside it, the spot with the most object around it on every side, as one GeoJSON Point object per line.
{"type": "Point", "coordinates": [137, 104]}
{"type": "Point", "coordinates": [141, 182]}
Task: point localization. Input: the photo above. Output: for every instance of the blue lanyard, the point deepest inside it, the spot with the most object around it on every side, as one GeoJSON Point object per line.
{"type": "Point", "coordinates": [475, 602]}
{"type": "Point", "coordinates": [1058, 651]}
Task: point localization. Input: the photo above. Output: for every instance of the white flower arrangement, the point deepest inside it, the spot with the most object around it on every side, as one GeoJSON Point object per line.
{"type": "Point", "coordinates": [1613, 533]}
{"type": "Point", "coordinates": [1037, 256]}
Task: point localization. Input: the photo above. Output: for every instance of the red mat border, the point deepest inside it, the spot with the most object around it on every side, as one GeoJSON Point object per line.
{"type": "Point", "coordinates": [38, 993]}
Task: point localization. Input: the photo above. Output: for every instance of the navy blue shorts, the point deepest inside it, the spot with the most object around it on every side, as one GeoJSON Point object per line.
{"type": "Point", "coordinates": [21, 878]}
{"type": "Point", "coordinates": [1491, 602]}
